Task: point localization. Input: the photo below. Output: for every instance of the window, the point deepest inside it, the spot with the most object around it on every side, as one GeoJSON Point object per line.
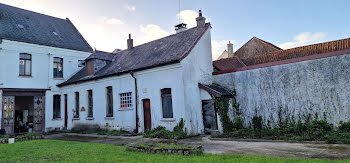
{"type": "Point", "coordinates": [167, 104]}
{"type": "Point", "coordinates": [109, 101]}
{"type": "Point", "coordinates": [81, 63]}
{"type": "Point", "coordinates": [56, 106]}
{"type": "Point", "coordinates": [57, 67]}
{"type": "Point", "coordinates": [77, 105]}
{"type": "Point", "coordinates": [125, 100]}
{"type": "Point", "coordinates": [90, 104]}
{"type": "Point", "coordinates": [25, 64]}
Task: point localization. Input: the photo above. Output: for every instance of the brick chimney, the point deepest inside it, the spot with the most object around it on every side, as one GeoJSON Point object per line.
{"type": "Point", "coordinates": [200, 20]}
{"type": "Point", "coordinates": [180, 27]}
{"type": "Point", "coordinates": [230, 49]}
{"type": "Point", "coordinates": [130, 42]}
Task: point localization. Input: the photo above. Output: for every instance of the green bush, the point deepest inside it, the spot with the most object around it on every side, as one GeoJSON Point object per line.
{"type": "Point", "coordinates": [160, 132]}
{"type": "Point", "coordinates": [257, 122]}
{"type": "Point", "coordinates": [238, 123]}
{"type": "Point", "coordinates": [337, 137]}
{"type": "Point", "coordinates": [344, 127]}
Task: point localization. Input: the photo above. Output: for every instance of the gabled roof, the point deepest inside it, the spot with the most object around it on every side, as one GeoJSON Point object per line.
{"type": "Point", "coordinates": [30, 27]}
{"type": "Point", "coordinates": [164, 51]}
{"type": "Point", "coordinates": [101, 55]}
{"type": "Point", "coordinates": [255, 47]}
{"type": "Point", "coordinates": [298, 52]}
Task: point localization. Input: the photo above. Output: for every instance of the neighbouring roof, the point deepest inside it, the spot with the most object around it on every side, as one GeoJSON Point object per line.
{"type": "Point", "coordinates": [101, 55]}
{"type": "Point", "coordinates": [26, 26]}
{"type": "Point", "coordinates": [215, 90]}
{"type": "Point", "coordinates": [228, 63]}
{"type": "Point", "coordinates": [281, 55]}
{"type": "Point", "coordinates": [164, 51]}
{"type": "Point", "coordinates": [255, 47]}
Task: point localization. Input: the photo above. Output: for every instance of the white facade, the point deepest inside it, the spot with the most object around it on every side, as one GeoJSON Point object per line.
{"type": "Point", "coordinates": [182, 78]}
{"type": "Point", "coordinates": [41, 71]}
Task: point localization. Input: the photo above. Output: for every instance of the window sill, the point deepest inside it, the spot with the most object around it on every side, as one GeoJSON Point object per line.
{"type": "Point", "coordinates": [58, 78]}
{"type": "Point", "coordinates": [125, 109]}
{"type": "Point", "coordinates": [56, 119]}
{"type": "Point", "coordinates": [23, 76]}
{"type": "Point", "coordinates": [109, 118]}
{"type": "Point", "coordinates": [76, 118]}
{"type": "Point", "coordinates": [168, 119]}
{"type": "Point", "coordinates": [90, 118]}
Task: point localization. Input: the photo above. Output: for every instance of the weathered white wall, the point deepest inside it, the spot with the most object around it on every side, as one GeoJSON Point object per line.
{"type": "Point", "coordinates": [316, 86]}
{"type": "Point", "coordinates": [42, 70]}
{"type": "Point", "coordinates": [197, 68]}
{"type": "Point", "coordinates": [150, 82]}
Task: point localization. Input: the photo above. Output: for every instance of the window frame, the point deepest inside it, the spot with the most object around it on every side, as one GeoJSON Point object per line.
{"type": "Point", "coordinates": [125, 101]}
{"type": "Point", "coordinates": [58, 63]}
{"type": "Point", "coordinates": [163, 96]}
{"type": "Point", "coordinates": [77, 105]}
{"type": "Point", "coordinates": [25, 64]}
{"type": "Point", "coordinates": [90, 104]}
{"type": "Point", "coordinates": [56, 105]}
{"type": "Point", "coordinates": [109, 101]}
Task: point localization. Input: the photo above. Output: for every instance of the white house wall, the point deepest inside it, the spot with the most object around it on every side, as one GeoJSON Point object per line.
{"type": "Point", "coordinates": [42, 70]}
{"type": "Point", "coordinates": [197, 68]}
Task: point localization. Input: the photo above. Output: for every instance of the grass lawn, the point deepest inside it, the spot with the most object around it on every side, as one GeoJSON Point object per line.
{"type": "Point", "coordinates": [66, 151]}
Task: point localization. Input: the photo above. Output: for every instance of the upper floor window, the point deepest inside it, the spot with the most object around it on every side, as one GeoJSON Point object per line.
{"type": "Point", "coordinates": [167, 103]}
{"type": "Point", "coordinates": [57, 67]}
{"type": "Point", "coordinates": [90, 104]}
{"type": "Point", "coordinates": [81, 63]}
{"type": "Point", "coordinates": [56, 106]}
{"type": "Point", "coordinates": [109, 95]}
{"type": "Point", "coordinates": [125, 100]}
{"type": "Point", "coordinates": [25, 64]}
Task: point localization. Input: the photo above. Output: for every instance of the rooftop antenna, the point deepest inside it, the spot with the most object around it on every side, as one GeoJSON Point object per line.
{"type": "Point", "coordinates": [179, 10]}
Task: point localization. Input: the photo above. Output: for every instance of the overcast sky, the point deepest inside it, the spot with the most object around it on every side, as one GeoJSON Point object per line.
{"type": "Point", "coordinates": [106, 23]}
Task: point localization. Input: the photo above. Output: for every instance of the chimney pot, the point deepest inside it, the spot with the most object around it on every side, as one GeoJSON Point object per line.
{"type": "Point", "coordinates": [130, 42]}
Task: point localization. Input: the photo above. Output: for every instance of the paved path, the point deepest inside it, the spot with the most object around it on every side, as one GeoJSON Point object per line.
{"type": "Point", "coordinates": [276, 149]}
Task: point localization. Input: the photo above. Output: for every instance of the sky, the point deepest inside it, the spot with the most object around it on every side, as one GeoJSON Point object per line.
{"type": "Point", "coordinates": [105, 24]}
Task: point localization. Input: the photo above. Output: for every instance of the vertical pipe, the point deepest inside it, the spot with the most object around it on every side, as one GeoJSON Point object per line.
{"type": "Point", "coordinates": [136, 102]}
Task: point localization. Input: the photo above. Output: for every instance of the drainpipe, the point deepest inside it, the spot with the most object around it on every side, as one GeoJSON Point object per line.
{"type": "Point", "coordinates": [136, 102]}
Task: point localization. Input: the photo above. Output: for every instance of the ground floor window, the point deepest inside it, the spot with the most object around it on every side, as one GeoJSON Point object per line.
{"type": "Point", "coordinates": [109, 97]}
{"type": "Point", "coordinates": [167, 104]}
{"type": "Point", "coordinates": [56, 106]}
{"type": "Point", "coordinates": [125, 100]}
{"type": "Point", "coordinates": [77, 105]}
{"type": "Point", "coordinates": [90, 104]}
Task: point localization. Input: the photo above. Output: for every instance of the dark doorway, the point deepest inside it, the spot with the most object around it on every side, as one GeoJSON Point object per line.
{"type": "Point", "coordinates": [24, 114]}
{"type": "Point", "coordinates": [147, 114]}
{"type": "Point", "coordinates": [209, 116]}
{"type": "Point", "coordinates": [65, 111]}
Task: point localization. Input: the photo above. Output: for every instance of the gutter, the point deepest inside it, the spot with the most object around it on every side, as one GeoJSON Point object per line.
{"type": "Point", "coordinates": [136, 103]}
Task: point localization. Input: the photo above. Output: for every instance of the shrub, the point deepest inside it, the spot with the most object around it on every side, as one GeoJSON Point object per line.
{"type": "Point", "coordinates": [238, 123]}
{"type": "Point", "coordinates": [161, 132]}
{"type": "Point", "coordinates": [344, 127]}
{"type": "Point", "coordinates": [337, 137]}
{"type": "Point", "coordinates": [257, 122]}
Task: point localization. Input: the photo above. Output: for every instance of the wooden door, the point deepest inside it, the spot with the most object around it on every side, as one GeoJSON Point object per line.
{"type": "Point", "coordinates": [209, 116]}
{"type": "Point", "coordinates": [147, 114]}
{"type": "Point", "coordinates": [8, 114]}
{"type": "Point", "coordinates": [65, 111]}
{"type": "Point", "coordinates": [38, 113]}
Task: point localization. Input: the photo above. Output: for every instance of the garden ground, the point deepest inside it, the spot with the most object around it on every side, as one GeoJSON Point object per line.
{"type": "Point", "coordinates": [64, 151]}
{"type": "Point", "coordinates": [222, 146]}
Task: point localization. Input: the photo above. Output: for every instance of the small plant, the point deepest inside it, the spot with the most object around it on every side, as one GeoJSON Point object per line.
{"type": "Point", "coordinates": [257, 122]}
{"type": "Point", "coordinates": [160, 132]}
{"type": "Point", "coordinates": [344, 127]}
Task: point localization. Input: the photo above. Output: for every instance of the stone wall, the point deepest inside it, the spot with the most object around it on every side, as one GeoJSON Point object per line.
{"type": "Point", "coordinates": [312, 87]}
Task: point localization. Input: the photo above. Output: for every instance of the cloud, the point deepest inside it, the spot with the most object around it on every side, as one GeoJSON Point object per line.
{"type": "Point", "coordinates": [152, 32]}
{"type": "Point", "coordinates": [131, 8]}
{"type": "Point", "coordinates": [112, 21]}
{"type": "Point", "coordinates": [304, 39]}
{"type": "Point", "coordinates": [218, 46]}
{"type": "Point", "coordinates": [188, 17]}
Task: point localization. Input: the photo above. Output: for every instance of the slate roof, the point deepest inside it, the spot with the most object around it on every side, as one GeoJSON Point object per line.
{"type": "Point", "coordinates": [164, 51]}
{"type": "Point", "coordinates": [216, 90]}
{"type": "Point", "coordinates": [26, 26]}
{"type": "Point", "coordinates": [101, 55]}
